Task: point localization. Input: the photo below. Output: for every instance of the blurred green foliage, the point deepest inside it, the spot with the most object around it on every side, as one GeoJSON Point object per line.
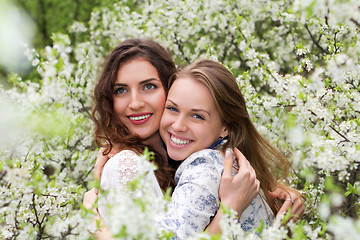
{"type": "Point", "coordinates": [51, 16]}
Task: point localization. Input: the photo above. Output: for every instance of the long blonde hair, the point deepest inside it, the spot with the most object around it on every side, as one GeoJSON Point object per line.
{"type": "Point", "coordinates": [269, 163]}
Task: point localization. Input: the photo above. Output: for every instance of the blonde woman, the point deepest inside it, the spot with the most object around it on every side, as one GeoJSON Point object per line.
{"type": "Point", "coordinates": [205, 114]}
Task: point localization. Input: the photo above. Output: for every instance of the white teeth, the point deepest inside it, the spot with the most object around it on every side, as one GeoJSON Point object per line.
{"type": "Point", "coordinates": [178, 141]}
{"type": "Point", "coordinates": [140, 117]}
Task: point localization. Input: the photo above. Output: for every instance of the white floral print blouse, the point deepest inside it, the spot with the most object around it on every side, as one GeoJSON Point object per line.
{"type": "Point", "coordinates": [195, 199]}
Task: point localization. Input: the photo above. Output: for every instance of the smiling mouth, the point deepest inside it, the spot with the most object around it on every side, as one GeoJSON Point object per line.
{"type": "Point", "coordinates": [139, 118]}
{"type": "Point", "coordinates": [179, 141]}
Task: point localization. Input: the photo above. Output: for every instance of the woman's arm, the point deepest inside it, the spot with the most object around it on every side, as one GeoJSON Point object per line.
{"type": "Point", "coordinates": [88, 201]}
{"type": "Point", "coordinates": [231, 191]}
{"type": "Point", "coordinates": [237, 191]}
{"type": "Point", "coordinates": [117, 171]}
{"type": "Point", "coordinates": [90, 196]}
{"type": "Point", "coordinates": [195, 199]}
{"type": "Point", "coordinates": [101, 161]}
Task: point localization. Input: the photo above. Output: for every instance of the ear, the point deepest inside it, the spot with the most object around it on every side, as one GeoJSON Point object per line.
{"type": "Point", "coordinates": [224, 133]}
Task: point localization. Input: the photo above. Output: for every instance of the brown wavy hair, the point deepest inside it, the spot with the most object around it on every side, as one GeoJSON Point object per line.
{"type": "Point", "coordinates": [269, 163]}
{"type": "Point", "coordinates": [108, 128]}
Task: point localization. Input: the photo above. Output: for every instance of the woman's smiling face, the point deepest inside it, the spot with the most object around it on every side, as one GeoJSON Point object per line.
{"type": "Point", "coordinates": [191, 121]}
{"type": "Point", "coordinates": [139, 97]}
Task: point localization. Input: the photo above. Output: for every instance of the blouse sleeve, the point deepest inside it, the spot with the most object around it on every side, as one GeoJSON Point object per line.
{"type": "Point", "coordinates": [195, 199]}
{"type": "Point", "coordinates": [256, 213]}
{"type": "Point", "coordinates": [117, 172]}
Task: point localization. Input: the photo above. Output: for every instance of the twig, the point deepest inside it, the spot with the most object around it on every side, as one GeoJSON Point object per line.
{"type": "Point", "coordinates": [345, 138]}
{"type": "Point", "coordinates": [260, 60]}
{"type": "Point", "coordinates": [314, 41]}
{"type": "Point", "coordinates": [356, 22]}
{"type": "Point", "coordinates": [179, 44]}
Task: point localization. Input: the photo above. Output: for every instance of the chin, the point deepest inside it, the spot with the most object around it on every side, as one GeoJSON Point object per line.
{"type": "Point", "coordinates": [145, 134]}
{"type": "Point", "coordinates": [176, 157]}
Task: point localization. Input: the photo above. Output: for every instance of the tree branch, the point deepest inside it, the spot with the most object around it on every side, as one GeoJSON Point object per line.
{"type": "Point", "coordinates": [356, 22]}
{"type": "Point", "coordinates": [314, 41]}
{"type": "Point", "coordinates": [180, 46]}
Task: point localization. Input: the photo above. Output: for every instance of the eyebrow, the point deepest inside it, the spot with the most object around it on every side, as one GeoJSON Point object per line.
{"type": "Point", "coordinates": [142, 82]}
{"type": "Point", "coordinates": [193, 109]}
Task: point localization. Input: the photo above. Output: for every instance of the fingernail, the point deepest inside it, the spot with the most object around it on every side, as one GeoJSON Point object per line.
{"type": "Point", "coordinates": [228, 153]}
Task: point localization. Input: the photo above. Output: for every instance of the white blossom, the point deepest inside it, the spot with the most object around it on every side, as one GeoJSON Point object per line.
{"type": "Point", "coordinates": [296, 63]}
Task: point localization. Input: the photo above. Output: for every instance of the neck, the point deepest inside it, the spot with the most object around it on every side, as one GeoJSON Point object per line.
{"type": "Point", "coordinates": [155, 142]}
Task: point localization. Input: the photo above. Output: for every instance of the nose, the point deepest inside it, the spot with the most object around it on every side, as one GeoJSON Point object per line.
{"type": "Point", "coordinates": [136, 101]}
{"type": "Point", "coordinates": [179, 124]}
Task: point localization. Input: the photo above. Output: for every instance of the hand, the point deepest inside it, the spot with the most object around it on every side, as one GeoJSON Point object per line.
{"type": "Point", "coordinates": [89, 198]}
{"type": "Point", "coordinates": [292, 199]}
{"type": "Point", "coordinates": [238, 191]}
{"type": "Point", "coordinates": [103, 232]}
{"type": "Point", "coordinates": [101, 160]}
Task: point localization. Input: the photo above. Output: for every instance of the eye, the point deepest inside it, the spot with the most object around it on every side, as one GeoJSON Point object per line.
{"type": "Point", "coordinates": [197, 116]}
{"type": "Point", "coordinates": [172, 109]}
{"type": "Point", "coordinates": [149, 86]}
{"type": "Point", "coordinates": [120, 90]}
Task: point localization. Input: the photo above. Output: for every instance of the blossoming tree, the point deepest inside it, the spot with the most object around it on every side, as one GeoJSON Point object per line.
{"type": "Point", "coordinates": [297, 63]}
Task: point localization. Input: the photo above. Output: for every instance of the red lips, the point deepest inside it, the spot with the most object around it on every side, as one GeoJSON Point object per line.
{"type": "Point", "coordinates": [139, 118]}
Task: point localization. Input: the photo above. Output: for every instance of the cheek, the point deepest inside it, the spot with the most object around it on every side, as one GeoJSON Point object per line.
{"type": "Point", "coordinates": [163, 126]}
{"type": "Point", "coordinates": [158, 105]}
{"type": "Point", "coordinates": [165, 121]}
{"type": "Point", "coordinates": [118, 107]}
{"type": "Point", "coordinates": [159, 100]}
{"type": "Point", "coordinates": [206, 138]}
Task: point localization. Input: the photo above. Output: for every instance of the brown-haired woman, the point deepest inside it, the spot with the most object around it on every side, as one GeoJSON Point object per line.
{"type": "Point", "coordinates": [129, 100]}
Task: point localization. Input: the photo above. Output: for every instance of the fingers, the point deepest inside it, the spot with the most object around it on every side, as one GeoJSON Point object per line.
{"type": "Point", "coordinates": [114, 150]}
{"type": "Point", "coordinates": [244, 164]}
{"type": "Point", "coordinates": [238, 191]}
{"type": "Point", "coordinates": [99, 164]}
{"type": "Point", "coordinates": [258, 185]}
{"type": "Point", "coordinates": [240, 157]}
{"type": "Point", "coordinates": [89, 198]}
{"type": "Point", "coordinates": [228, 163]}
{"type": "Point", "coordinates": [284, 208]}
{"type": "Point", "coordinates": [284, 195]}
{"type": "Point", "coordinates": [276, 194]}
{"type": "Point", "coordinates": [297, 210]}
{"type": "Point", "coordinates": [245, 169]}
{"type": "Point", "coordinates": [298, 207]}
{"type": "Point", "coordinates": [291, 200]}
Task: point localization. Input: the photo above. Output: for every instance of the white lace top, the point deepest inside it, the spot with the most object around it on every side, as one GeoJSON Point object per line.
{"type": "Point", "coordinates": [195, 199]}
{"type": "Point", "coordinates": [118, 171]}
